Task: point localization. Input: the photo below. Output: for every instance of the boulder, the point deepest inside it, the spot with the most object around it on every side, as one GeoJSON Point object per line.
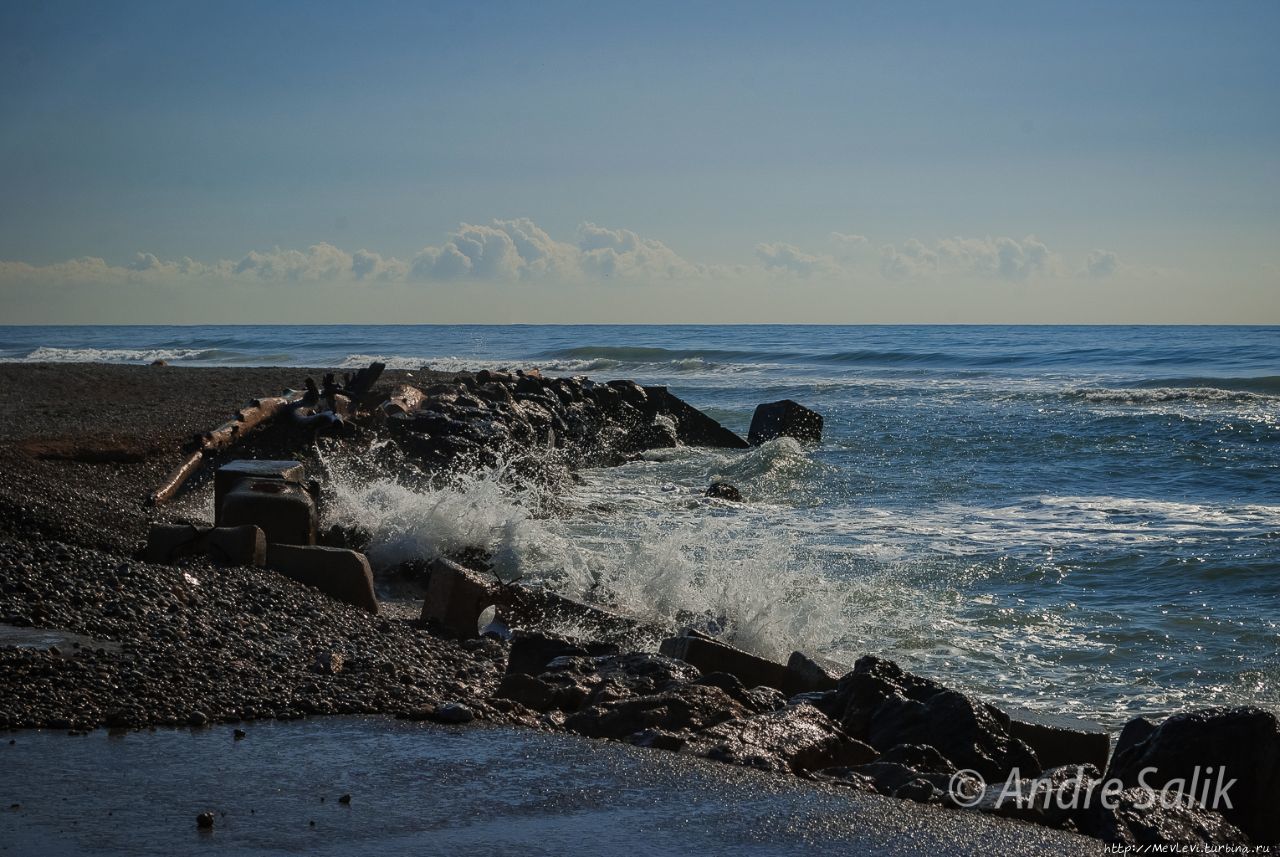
{"type": "Point", "coordinates": [1241, 744]}
{"type": "Point", "coordinates": [724, 491]}
{"type": "Point", "coordinates": [571, 682]}
{"type": "Point", "coordinates": [684, 708]}
{"type": "Point", "coordinates": [909, 771]}
{"type": "Point", "coordinates": [808, 676]}
{"type": "Point", "coordinates": [531, 651]}
{"type": "Point", "coordinates": [711, 656]}
{"type": "Point", "coordinates": [784, 419]}
{"type": "Point", "coordinates": [797, 738]}
{"type": "Point", "coordinates": [884, 705]}
{"type": "Point", "coordinates": [693, 427]}
{"type": "Point", "coordinates": [339, 573]}
{"type": "Point", "coordinates": [1057, 745]}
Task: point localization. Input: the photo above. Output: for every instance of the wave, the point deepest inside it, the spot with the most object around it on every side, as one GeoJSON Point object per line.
{"type": "Point", "coordinates": [1163, 395]}
{"type": "Point", "coordinates": [1267, 385]}
{"type": "Point", "coordinates": [47, 354]}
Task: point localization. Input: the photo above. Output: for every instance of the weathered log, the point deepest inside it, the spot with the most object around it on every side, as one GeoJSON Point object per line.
{"type": "Point", "coordinates": [174, 480]}
{"type": "Point", "coordinates": [403, 399]}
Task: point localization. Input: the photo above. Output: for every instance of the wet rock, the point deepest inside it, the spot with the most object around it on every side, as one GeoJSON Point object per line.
{"type": "Point", "coordinates": [345, 800]}
{"type": "Point", "coordinates": [797, 738]}
{"type": "Point", "coordinates": [689, 707]}
{"type": "Point", "coordinates": [198, 719]}
{"type": "Point", "coordinates": [808, 675]}
{"type": "Point", "coordinates": [239, 734]}
{"type": "Point", "coordinates": [1132, 820]}
{"type": "Point", "coordinates": [454, 712]}
{"type": "Point", "coordinates": [531, 651]}
{"type": "Point", "coordinates": [785, 418]}
{"type": "Point", "coordinates": [204, 821]}
{"type": "Point", "coordinates": [724, 491]}
{"type": "Point", "coordinates": [884, 705]}
{"type": "Point", "coordinates": [1241, 744]}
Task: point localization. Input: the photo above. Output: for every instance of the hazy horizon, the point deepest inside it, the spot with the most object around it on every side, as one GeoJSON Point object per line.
{"type": "Point", "coordinates": [817, 163]}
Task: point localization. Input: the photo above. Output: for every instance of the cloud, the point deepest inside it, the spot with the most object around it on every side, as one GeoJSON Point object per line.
{"type": "Point", "coordinates": [1003, 258]}
{"type": "Point", "coordinates": [1101, 263]}
{"type": "Point", "coordinates": [787, 257]}
{"type": "Point", "coordinates": [518, 250]}
{"type": "Point", "coordinates": [849, 238]}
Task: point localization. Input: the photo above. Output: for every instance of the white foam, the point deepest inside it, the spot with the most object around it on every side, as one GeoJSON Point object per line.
{"type": "Point", "coordinates": [45, 354]}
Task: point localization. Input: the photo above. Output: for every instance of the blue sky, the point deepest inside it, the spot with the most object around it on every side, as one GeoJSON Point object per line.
{"type": "Point", "coordinates": [656, 162]}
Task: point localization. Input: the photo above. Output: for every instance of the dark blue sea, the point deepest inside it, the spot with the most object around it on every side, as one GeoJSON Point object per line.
{"type": "Point", "coordinates": [1069, 519]}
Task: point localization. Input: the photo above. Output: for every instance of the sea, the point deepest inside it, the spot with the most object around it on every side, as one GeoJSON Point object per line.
{"type": "Point", "coordinates": [1068, 520]}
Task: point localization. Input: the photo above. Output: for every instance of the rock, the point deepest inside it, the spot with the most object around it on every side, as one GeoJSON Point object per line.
{"type": "Point", "coordinates": [710, 655]}
{"type": "Point", "coordinates": [784, 419]}
{"type": "Point", "coordinates": [693, 427]}
{"type": "Point", "coordinates": [909, 771]}
{"type": "Point", "coordinates": [1241, 744]}
{"type": "Point", "coordinates": [884, 705]}
{"type": "Point", "coordinates": [809, 676]}
{"type": "Point", "coordinates": [329, 662]}
{"type": "Point", "coordinates": [797, 738]}
{"type": "Point", "coordinates": [531, 651]}
{"type": "Point", "coordinates": [1132, 820]}
{"type": "Point", "coordinates": [198, 719]}
{"type": "Point", "coordinates": [724, 491]}
{"type": "Point", "coordinates": [1056, 746]}
{"type": "Point", "coordinates": [688, 707]}
{"type": "Point", "coordinates": [454, 712]}
{"type": "Point", "coordinates": [339, 573]}
{"type": "Point", "coordinates": [204, 821]}
{"type": "Point", "coordinates": [345, 800]}
{"type": "Point", "coordinates": [239, 734]}
{"type": "Point", "coordinates": [528, 690]}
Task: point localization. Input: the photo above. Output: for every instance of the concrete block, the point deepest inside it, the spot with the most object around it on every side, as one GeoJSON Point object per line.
{"type": "Point", "coordinates": [231, 473]}
{"type": "Point", "coordinates": [711, 656]}
{"type": "Point", "coordinates": [784, 418]}
{"type": "Point", "coordinates": [337, 572]}
{"type": "Point", "coordinates": [456, 596]}
{"type": "Point", "coordinates": [243, 545]}
{"type": "Point", "coordinates": [284, 510]}
{"type": "Point", "coordinates": [1059, 745]}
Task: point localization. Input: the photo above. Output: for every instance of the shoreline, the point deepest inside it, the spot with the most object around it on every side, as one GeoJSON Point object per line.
{"type": "Point", "coordinates": [202, 644]}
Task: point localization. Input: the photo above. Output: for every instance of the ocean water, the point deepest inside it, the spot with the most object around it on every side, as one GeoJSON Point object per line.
{"type": "Point", "coordinates": [1080, 520]}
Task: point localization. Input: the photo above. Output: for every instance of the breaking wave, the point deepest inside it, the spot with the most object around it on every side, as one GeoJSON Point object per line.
{"type": "Point", "coordinates": [46, 354]}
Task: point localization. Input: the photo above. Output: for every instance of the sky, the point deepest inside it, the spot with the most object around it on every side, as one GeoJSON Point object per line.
{"type": "Point", "coordinates": [849, 162]}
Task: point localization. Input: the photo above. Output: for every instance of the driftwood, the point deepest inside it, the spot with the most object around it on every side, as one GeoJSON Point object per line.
{"type": "Point", "coordinates": [403, 400]}
{"type": "Point", "coordinates": [174, 480]}
{"type": "Point", "coordinates": [253, 415]}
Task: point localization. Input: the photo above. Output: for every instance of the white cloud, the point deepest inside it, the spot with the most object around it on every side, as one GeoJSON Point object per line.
{"type": "Point", "coordinates": [849, 238]}
{"type": "Point", "coordinates": [1004, 258]}
{"type": "Point", "coordinates": [1101, 263]}
{"type": "Point", "coordinates": [518, 250]}
{"type": "Point", "coordinates": [787, 257]}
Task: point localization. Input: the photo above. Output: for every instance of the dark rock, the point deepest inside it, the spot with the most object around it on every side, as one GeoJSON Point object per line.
{"type": "Point", "coordinates": [693, 427]}
{"type": "Point", "coordinates": [658, 739]}
{"type": "Point", "coordinates": [345, 800]}
{"type": "Point", "coordinates": [885, 706]}
{"type": "Point", "coordinates": [809, 675]}
{"type": "Point", "coordinates": [724, 491]}
{"type": "Point", "coordinates": [689, 707]}
{"type": "Point", "coordinates": [1056, 745]}
{"type": "Point", "coordinates": [796, 738]}
{"type": "Point", "coordinates": [239, 734]}
{"type": "Point", "coordinates": [784, 419]}
{"type": "Point", "coordinates": [1241, 744]}
{"type": "Point", "coordinates": [198, 719]}
{"type": "Point", "coordinates": [454, 712]}
{"type": "Point", "coordinates": [531, 651]}
{"type": "Point", "coordinates": [204, 821]}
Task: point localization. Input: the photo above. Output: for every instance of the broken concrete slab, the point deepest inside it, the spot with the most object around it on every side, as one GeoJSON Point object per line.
{"type": "Point", "coordinates": [456, 596]}
{"type": "Point", "coordinates": [285, 511]}
{"type": "Point", "coordinates": [337, 572]}
{"type": "Point", "coordinates": [241, 545]}
{"type": "Point", "coordinates": [233, 472]}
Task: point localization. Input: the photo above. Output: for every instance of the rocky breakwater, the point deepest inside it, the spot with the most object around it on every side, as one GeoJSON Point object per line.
{"type": "Point", "coordinates": [478, 418]}
{"type": "Point", "coordinates": [881, 729]}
